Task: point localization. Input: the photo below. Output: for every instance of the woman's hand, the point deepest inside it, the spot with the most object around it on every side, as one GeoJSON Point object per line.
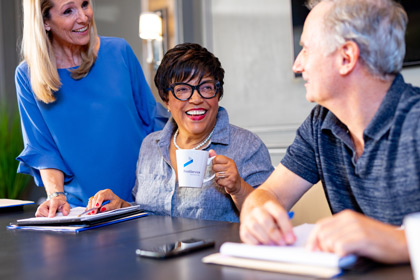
{"type": "Point", "coordinates": [50, 207]}
{"type": "Point", "coordinates": [53, 180]}
{"type": "Point", "coordinates": [227, 176]}
{"type": "Point", "coordinates": [100, 197]}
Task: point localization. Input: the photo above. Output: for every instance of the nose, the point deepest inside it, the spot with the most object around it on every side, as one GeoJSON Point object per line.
{"type": "Point", "coordinates": [297, 65]}
{"type": "Point", "coordinates": [196, 97]}
{"type": "Point", "coordinates": [83, 17]}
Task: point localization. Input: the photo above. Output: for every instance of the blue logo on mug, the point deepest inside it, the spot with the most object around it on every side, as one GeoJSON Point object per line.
{"type": "Point", "coordinates": [188, 162]}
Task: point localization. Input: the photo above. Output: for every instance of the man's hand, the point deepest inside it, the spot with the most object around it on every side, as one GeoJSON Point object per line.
{"type": "Point", "coordinates": [349, 232]}
{"type": "Point", "coordinates": [268, 224]}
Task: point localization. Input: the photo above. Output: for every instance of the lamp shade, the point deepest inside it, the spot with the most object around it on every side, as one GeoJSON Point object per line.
{"type": "Point", "coordinates": [150, 26]}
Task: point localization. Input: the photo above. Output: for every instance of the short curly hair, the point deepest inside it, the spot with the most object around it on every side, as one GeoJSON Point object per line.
{"type": "Point", "coordinates": [185, 62]}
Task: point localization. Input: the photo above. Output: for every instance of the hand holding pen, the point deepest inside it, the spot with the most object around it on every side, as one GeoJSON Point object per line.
{"type": "Point", "coordinates": [97, 202]}
{"type": "Point", "coordinates": [267, 224]}
{"type": "Point", "coordinates": [94, 210]}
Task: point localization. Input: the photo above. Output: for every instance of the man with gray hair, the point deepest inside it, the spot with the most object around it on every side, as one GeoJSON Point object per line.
{"type": "Point", "coordinates": [362, 140]}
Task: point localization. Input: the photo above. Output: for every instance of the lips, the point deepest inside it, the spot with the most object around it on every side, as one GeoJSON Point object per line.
{"type": "Point", "coordinates": [196, 114]}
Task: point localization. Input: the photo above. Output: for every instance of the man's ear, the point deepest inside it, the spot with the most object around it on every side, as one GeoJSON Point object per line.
{"type": "Point", "coordinates": [349, 56]}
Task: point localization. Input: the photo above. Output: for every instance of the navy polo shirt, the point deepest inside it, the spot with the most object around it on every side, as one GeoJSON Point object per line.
{"type": "Point", "coordinates": [384, 183]}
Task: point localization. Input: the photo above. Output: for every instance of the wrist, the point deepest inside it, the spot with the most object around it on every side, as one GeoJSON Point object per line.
{"type": "Point", "coordinates": [124, 204]}
{"type": "Point", "coordinates": [55, 194]}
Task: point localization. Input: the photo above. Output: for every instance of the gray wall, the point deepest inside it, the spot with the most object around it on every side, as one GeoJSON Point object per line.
{"type": "Point", "coordinates": [10, 34]}
{"type": "Point", "coordinates": [119, 18]}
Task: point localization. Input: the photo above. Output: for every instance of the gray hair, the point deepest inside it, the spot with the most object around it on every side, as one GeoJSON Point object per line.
{"type": "Point", "coordinates": [376, 26]}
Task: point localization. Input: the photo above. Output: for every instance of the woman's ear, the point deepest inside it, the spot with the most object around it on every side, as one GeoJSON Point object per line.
{"type": "Point", "coordinates": [167, 106]}
{"type": "Point", "coordinates": [349, 56]}
{"type": "Point", "coordinates": [47, 26]}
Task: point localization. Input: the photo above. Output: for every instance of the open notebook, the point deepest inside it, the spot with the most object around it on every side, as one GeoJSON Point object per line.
{"type": "Point", "coordinates": [293, 259]}
{"type": "Point", "coordinates": [73, 223]}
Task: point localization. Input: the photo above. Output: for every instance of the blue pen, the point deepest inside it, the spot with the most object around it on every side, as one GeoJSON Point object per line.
{"type": "Point", "coordinates": [291, 214]}
{"type": "Point", "coordinates": [95, 208]}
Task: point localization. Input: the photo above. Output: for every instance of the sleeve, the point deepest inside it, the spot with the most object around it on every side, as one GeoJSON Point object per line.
{"type": "Point", "coordinates": [153, 116]}
{"type": "Point", "coordinates": [143, 158]}
{"type": "Point", "coordinates": [300, 156]}
{"type": "Point", "coordinates": [256, 166]}
{"type": "Point", "coordinates": [40, 150]}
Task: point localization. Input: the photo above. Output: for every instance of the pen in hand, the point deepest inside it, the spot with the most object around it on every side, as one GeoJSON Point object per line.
{"type": "Point", "coordinates": [95, 208]}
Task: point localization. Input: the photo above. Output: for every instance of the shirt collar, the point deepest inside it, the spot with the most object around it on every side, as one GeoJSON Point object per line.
{"type": "Point", "coordinates": [221, 133]}
{"type": "Point", "coordinates": [381, 121]}
{"type": "Point", "coordinates": [384, 117]}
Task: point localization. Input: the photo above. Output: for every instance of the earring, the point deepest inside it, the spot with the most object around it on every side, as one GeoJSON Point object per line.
{"type": "Point", "coordinates": [47, 28]}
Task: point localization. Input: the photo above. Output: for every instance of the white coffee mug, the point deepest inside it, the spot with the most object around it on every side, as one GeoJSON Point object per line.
{"type": "Point", "coordinates": [412, 232]}
{"type": "Point", "coordinates": [192, 166]}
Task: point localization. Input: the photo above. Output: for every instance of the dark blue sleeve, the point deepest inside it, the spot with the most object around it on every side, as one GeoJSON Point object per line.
{"type": "Point", "coordinates": [152, 115]}
{"type": "Point", "coordinates": [300, 157]}
{"type": "Point", "coordinates": [40, 151]}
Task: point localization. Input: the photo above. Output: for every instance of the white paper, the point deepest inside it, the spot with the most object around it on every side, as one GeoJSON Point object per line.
{"type": "Point", "coordinates": [4, 202]}
{"type": "Point", "coordinates": [296, 253]}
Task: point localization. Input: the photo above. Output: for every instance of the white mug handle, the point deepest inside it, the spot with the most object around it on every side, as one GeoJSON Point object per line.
{"type": "Point", "coordinates": [212, 176]}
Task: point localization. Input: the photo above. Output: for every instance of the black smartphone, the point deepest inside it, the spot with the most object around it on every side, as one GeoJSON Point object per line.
{"type": "Point", "coordinates": [175, 249]}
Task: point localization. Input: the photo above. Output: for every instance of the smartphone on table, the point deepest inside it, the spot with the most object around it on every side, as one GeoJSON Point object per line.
{"type": "Point", "coordinates": [176, 248]}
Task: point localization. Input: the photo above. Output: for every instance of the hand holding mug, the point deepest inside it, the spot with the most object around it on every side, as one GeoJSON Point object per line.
{"type": "Point", "coordinates": [227, 175]}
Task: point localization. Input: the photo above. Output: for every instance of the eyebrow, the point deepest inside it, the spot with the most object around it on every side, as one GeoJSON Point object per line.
{"type": "Point", "coordinates": [65, 4]}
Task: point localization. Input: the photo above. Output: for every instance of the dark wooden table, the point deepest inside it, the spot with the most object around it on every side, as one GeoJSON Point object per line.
{"type": "Point", "coordinates": [109, 252]}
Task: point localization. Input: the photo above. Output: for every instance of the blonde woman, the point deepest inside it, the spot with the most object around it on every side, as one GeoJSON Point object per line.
{"type": "Point", "coordinates": [84, 103]}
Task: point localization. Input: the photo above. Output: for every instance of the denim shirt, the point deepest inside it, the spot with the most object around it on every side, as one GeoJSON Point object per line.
{"type": "Point", "coordinates": [157, 190]}
{"type": "Point", "coordinates": [384, 183]}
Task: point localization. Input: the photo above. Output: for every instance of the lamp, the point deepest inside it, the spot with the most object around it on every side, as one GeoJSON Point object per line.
{"type": "Point", "coordinates": [150, 29]}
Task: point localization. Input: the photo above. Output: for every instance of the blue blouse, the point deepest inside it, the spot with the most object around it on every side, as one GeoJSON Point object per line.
{"type": "Point", "coordinates": [157, 190]}
{"type": "Point", "coordinates": [93, 131]}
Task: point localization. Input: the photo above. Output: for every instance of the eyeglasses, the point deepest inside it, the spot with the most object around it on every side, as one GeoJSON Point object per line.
{"type": "Point", "coordinates": [184, 91]}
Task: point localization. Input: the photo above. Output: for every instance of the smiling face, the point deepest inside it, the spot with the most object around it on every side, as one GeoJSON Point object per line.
{"type": "Point", "coordinates": [69, 22]}
{"type": "Point", "coordinates": [314, 61]}
{"type": "Point", "coordinates": [195, 117]}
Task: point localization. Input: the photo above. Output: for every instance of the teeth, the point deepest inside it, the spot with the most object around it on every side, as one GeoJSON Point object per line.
{"type": "Point", "coordinates": [196, 112]}
{"type": "Point", "coordinates": [82, 29]}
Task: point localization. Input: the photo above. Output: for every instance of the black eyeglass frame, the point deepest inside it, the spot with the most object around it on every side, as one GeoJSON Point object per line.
{"type": "Point", "coordinates": [193, 88]}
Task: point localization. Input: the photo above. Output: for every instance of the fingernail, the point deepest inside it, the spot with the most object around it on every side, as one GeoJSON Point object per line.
{"type": "Point", "coordinates": [93, 211]}
{"type": "Point", "coordinates": [289, 238]}
{"type": "Point", "coordinates": [103, 209]}
{"type": "Point", "coordinates": [97, 204]}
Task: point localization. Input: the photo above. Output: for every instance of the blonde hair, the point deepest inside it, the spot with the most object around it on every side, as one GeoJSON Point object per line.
{"type": "Point", "coordinates": [38, 53]}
